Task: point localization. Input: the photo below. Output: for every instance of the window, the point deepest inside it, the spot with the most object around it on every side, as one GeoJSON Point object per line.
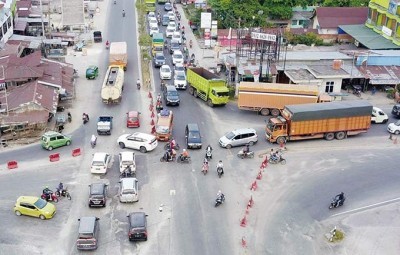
{"type": "Point", "coordinates": [5, 28]}
{"type": "Point", "coordinates": [53, 138]}
{"type": "Point", "coordinates": [294, 22]}
{"type": "Point", "coordinates": [9, 22]}
{"type": "Point", "coordinates": [329, 86]}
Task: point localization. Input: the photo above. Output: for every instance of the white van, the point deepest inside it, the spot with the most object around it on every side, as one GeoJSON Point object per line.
{"type": "Point", "coordinates": [100, 163]}
{"type": "Point", "coordinates": [128, 190]}
{"type": "Point", "coordinates": [127, 159]}
{"type": "Point", "coordinates": [378, 116]}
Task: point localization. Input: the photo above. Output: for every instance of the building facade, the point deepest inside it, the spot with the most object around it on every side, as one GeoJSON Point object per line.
{"type": "Point", "coordinates": [6, 28]}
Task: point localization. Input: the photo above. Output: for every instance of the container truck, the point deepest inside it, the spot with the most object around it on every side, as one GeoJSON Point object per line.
{"type": "Point", "coordinates": [208, 86]}
{"type": "Point", "coordinates": [271, 98]}
{"type": "Point", "coordinates": [331, 120]}
{"type": "Point", "coordinates": [118, 54]}
{"type": "Point", "coordinates": [111, 91]}
{"type": "Point", "coordinates": [157, 44]}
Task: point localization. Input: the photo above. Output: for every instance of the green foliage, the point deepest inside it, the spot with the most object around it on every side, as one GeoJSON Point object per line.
{"type": "Point", "coordinates": [144, 40]}
{"type": "Point", "coordinates": [280, 12]}
{"type": "Point", "coordinates": [307, 39]}
{"type": "Point", "coordinates": [345, 3]}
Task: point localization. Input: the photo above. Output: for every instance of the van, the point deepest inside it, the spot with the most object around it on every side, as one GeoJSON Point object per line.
{"type": "Point", "coordinates": [132, 119]}
{"type": "Point", "coordinates": [137, 226]}
{"type": "Point", "coordinates": [128, 190]}
{"type": "Point", "coordinates": [164, 125]}
{"type": "Point", "coordinates": [127, 159]}
{"type": "Point", "coordinates": [192, 136]}
{"type": "Point", "coordinates": [52, 139]}
{"type": "Point", "coordinates": [396, 111]}
{"type": "Point", "coordinates": [88, 232]}
{"type": "Point", "coordinates": [171, 96]}
{"type": "Point", "coordinates": [239, 137]}
{"type": "Point", "coordinates": [378, 116]}
{"type": "Point", "coordinates": [100, 163]}
{"type": "Point", "coordinates": [97, 194]}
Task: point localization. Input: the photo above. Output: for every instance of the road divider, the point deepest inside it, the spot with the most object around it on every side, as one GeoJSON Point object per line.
{"type": "Point", "coordinates": [12, 164]}
{"type": "Point", "coordinates": [54, 157]}
{"type": "Point", "coordinates": [76, 152]}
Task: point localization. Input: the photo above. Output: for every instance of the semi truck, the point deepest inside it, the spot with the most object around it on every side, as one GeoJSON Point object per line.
{"type": "Point", "coordinates": [111, 91]}
{"type": "Point", "coordinates": [208, 86]}
{"type": "Point", "coordinates": [271, 98]}
{"type": "Point", "coordinates": [310, 121]}
{"type": "Point", "coordinates": [118, 54]}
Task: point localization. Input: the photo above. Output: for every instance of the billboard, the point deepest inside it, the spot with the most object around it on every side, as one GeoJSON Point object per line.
{"type": "Point", "coordinates": [205, 20]}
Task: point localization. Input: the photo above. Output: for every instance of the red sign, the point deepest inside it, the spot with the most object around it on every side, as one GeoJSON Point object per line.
{"type": "Point", "coordinates": [256, 72]}
{"type": "Point", "coordinates": [207, 35]}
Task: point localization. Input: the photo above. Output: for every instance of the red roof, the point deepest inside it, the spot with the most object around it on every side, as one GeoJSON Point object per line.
{"type": "Point", "coordinates": [33, 93]}
{"type": "Point", "coordinates": [34, 116]}
{"type": "Point", "coordinates": [333, 17]}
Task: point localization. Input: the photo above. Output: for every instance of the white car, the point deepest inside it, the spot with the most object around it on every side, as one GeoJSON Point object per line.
{"type": "Point", "coordinates": [151, 15]}
{"type": "Point", "coordinates": [172, 24]}
{"type": "Point", "coordinates": [169, 32]}
{"type": "Point", "coordinates": [100, 163]}
{"type": "Point", "coordinates": [394, 128]}
{"type": "Point", "coordinates": [154, 30]}
{"type": "Point", "coordinates": [165, 72]}
{"type": "Point", "coordinates": [180, 81]}
{"type": "Point", "coordinates": [177, 57]}
{"type": "Point", "coordinates": [153, 22]}
{"type": "Point", "coordinates": [171, 15]}
{"type": "Point", "coordinates": [127, 160]}
{"type": "Point", "coordinates": [179, 69]}
{"type": "Point", "coordinates": [378, 116]}
{"type": "Point", "coordinates": [177, 37]}
{"type": "Point", "coordinates": [138, 141]}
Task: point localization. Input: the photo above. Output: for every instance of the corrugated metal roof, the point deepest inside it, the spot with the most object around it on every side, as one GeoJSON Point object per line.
{"type": "Point", "coordinates": [368, 37]}
{"type": "Point", "coordinates": [333, 17]}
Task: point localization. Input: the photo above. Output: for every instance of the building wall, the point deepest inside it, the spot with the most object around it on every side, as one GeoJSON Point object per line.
{"type": "Point", "coordinates": [6, 28]}
{"type": "Point", "coordinates": [378, 60]}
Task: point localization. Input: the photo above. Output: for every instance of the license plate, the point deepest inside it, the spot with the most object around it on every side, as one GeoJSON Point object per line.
{"type": "Point", "coordinates": [96, 202]}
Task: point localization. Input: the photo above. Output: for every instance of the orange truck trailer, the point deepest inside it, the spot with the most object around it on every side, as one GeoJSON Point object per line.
{"type": "Point", "coordinates": [271, 98]}
{"type": "Point", "coordinates": [309, 121]}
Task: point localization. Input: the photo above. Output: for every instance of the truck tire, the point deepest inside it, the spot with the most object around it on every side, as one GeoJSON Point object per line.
{"type": "Point", "coordinates": [281, 140]}
{"type": "Point", "coordinates": [264, 112]}
{"type": "Point", "coordinates": [275, 112]}
{"type": "Point", "coordinates": [209, 102]}
{"type": "Point", "coordinates": [191, 90]}
{"type": "Point", "coordinates": [329, 136]}
{"type": "Point", "coordinates": [340, 135]}
{"type": "Point", "coordinates": [195, 93]}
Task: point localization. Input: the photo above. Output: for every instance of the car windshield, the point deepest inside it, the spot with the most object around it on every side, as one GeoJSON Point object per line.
{"type": "Point", "coordinates": [170, 30]}
{"type": "Point", "coordinates": [179, 68]}
{"type": "Point", "coordinates": [172, 93]}
{"type": "Point", "coordinates": [194, 135]}
{"type": "Point", "coordinates": [40, 203]}
{"type": "Point", "coordinates": [160, 58]}
{"type": "Point", "coordinates": [98, 163]}
{"type": "Point", "coordinates": [230, 135]}
{"type": "Point", "coordinates": [127, 163]}
{"type": "Point", "coordinates": [162, 129]}
{"type": "Point", "coordinates": [397, 123]}
{"type": "Point", "coordinates": [128, 191]}
{"type": "Point", "coordinates": [180, 78]}
{"type": "Point", "coordinates": [165, 70]}
{"type": "Point", "coordinates": [270, 125]}
{"type": "Point", "coordinates": [178, 56]}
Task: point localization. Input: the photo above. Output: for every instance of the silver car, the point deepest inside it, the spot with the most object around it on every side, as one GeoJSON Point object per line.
{"type": "Point", "coordinates": [239, 137]}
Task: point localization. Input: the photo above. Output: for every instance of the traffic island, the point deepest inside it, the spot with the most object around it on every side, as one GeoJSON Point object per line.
{"type": "Point", "coordinates": [335, 235]}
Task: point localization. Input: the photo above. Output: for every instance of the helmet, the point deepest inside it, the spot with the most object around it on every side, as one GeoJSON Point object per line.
{"type": "Point", "coordinates": [46, 187]}
{"type": "Point", "coordinates": [220, 161]}
{"type": "Point", "coordinates": [184, 149]}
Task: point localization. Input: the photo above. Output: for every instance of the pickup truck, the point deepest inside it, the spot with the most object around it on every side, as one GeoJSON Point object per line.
{"type": "Point", "coordinates": [104, 125]}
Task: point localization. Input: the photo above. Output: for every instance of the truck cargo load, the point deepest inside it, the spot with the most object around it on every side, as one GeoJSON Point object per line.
{"type": "Point", "coordinates": [208, 86]}
{"type": "Point", "coordinates": [118, 54]}
{"type": "Point", "coordinates": [331, 120]}
{"type": "Point", "coordinates": [111, 91]}
{"type": "Point", "coordinates": [271, 98]}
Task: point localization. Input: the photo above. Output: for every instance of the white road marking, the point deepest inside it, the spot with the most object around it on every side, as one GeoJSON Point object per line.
{"type": "Point", "coordinates": [366, 207]}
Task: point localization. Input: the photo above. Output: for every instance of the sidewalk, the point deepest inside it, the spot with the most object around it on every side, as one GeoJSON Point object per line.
{"type": "Point", "coordinates": [206, 57]}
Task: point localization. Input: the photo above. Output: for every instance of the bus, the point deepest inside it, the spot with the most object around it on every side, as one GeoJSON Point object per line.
{"type": "Point", "coordinates": [150, 5]}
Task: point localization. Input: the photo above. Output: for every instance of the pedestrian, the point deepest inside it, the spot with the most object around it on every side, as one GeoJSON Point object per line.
{"type": "Point", "coordinates": [390, 136]}
{"type": "Point", "coordinates": [373, 90]}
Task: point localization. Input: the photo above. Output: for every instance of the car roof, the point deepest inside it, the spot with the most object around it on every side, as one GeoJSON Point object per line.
{"type": "Point", "coordinates": [143, 135]}
{"type": "Point", "coordinates": [178, 52]}
{"type": "Point", "coordinates": [136, 217]}
{"type": "Point", "coordinates": [86, 224]}
{"type": "Point", "coordinates": [51, 133]}
{"type": "Point", "coordinates": [99, 155]}
{"type": "Point", "coordinates": [160, 54]}
{"type": "Point", "coordinates": [97, 188]}
{"type": "Point", "coordinates": [127, 155]}
{"type": "Point", "coordinates": [244, 130]}
{"type": "Point", "coordinates": [170, 87]}
{"type": "Point", "coordinates": [193, 127]}
{"type": "Point", "coordinates": [164, 66]}
{"type": "Point", "coordinates": [27, 199]}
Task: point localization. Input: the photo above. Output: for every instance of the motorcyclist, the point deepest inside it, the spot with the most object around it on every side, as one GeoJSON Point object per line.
{"type": "Point", "coordinates": [205, 165]}
{"type": "Point", "coordinates": [60, 187]}
{"type": "Point", "coordinates": [47, 192]}
{"type": "Point", "coordinates": [138, 83]}
{"type": "Point", "coordinates": [246, 149]}
{"type": "Point", "coordinates": [159, 97]}
{"type": "Point", "coordinates": [220, 195]}
{"type": "Point", "coordinates": [107, 44]}
{"type": "Point", "coordinates": [93, 140]}
{"type": "Point", "coordinates": [69, 117]}
{"type": "Point", "coordinates": [123, 13]}
{"type": "Point", "coordinates": [185, 154]}
{"type": "Point", "coordinates": [172, 143]}
{"type": "Point", "coordinates": [209, 148]}
{"type": "Point", "coordinates": [220, 165]}
{"type": "Point", "coordinates": [339, 199]}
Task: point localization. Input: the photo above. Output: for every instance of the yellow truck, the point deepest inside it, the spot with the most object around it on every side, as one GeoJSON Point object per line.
{"type": "Point", "coordinates": [271, 98]}
{"type": "Point", "coordinates": [118, 54]}
{"type": "Point", "coordinates": [113, 85]}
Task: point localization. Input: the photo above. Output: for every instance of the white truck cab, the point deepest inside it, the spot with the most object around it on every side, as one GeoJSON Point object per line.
{"type": "Point", "coordinates": [378, 116]}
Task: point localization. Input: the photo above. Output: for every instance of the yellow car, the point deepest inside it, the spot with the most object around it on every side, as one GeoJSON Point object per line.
{"type": "Point", "coordinates": [34, 206]}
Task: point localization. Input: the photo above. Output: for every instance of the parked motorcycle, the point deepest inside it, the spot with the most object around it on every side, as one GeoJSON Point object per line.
{"type": "Point", "coordinates": [220, 200]}
{"type": "Point", "coordinates": [276, 160]}
{"type": "Point", "coordinates": [64, 193]}
{"type": "Point", "coordinates": [181, 159]}
{"type": "Point", "coordinates": [51, 198]}
{"type": "Point", "coordinates": [243, 155]}
{"type": "Point", "coordinates": [336, 202]}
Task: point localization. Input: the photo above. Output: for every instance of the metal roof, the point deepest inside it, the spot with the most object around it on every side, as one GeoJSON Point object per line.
{"type": "Point", "coordinates": [368, 37]}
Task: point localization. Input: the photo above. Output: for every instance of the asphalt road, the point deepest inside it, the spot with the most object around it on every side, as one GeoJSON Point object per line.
{"type": "Point", "coordinates": [291, 199]}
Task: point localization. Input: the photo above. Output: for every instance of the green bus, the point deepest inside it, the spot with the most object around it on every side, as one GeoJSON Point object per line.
{"type": "Point", "coordinates": [150, 5]}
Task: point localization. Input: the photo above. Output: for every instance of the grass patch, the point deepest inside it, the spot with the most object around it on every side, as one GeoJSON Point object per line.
{"type": "Point", "coordinates": [339, 236]}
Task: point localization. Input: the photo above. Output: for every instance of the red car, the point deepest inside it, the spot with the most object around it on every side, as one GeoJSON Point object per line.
{"type": "Point", "coordinates": [132, 119]}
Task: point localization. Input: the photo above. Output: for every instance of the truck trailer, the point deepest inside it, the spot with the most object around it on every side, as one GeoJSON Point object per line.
{"type": "Point", "coordinates": [118, 54]}
{"type": "Point", "coordinates": [309, 121]}
{"type": "Point", "coordinates": [271, 98]}
{"type": "Point", "coordinates": [111, 91]}
{"type": "Point", "coordinates": [208, 86]}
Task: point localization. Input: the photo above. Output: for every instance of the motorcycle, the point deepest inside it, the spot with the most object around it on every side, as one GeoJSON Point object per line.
{"type": "Point", "coordinates": [127, 173]}
{"type": "Point", "coordinates": [181, 159]}
{"type": "Point", "coordinates": [243, 155]}
{"type": "Point", "coordinates": [52, 197]}
{"type": "Point", "coordinates": [85, 118]}
{"type": "Point", "coordinates": [276, 160]}
{"type": "Point", "coordinates": [138, 85]}
{"type": "Point", "coordinates": [164, 158]}
{"type": "Point", "coordinates": [159, 106]}
{"type": "Point", "coordinates": [336, 202]}
{"type": "Point", "coordinates": [219, 200]}
{"type": "Point", "coordinates": [220, 171]}
{"type": "Point", "coordinates": [64, 193]}
{"type": "Point", "coordinates": [208, 154]}
{"type": "Point", "coordinates": [204, 169]}
{"type": "Point", "coordinates": [123, 14]}
{"type": "Point", "coordinates": [93, 142]}
{"type": "Point", "coordinates": [69, 117]}
{"type": "Point", "coordinates": [167, 146]}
